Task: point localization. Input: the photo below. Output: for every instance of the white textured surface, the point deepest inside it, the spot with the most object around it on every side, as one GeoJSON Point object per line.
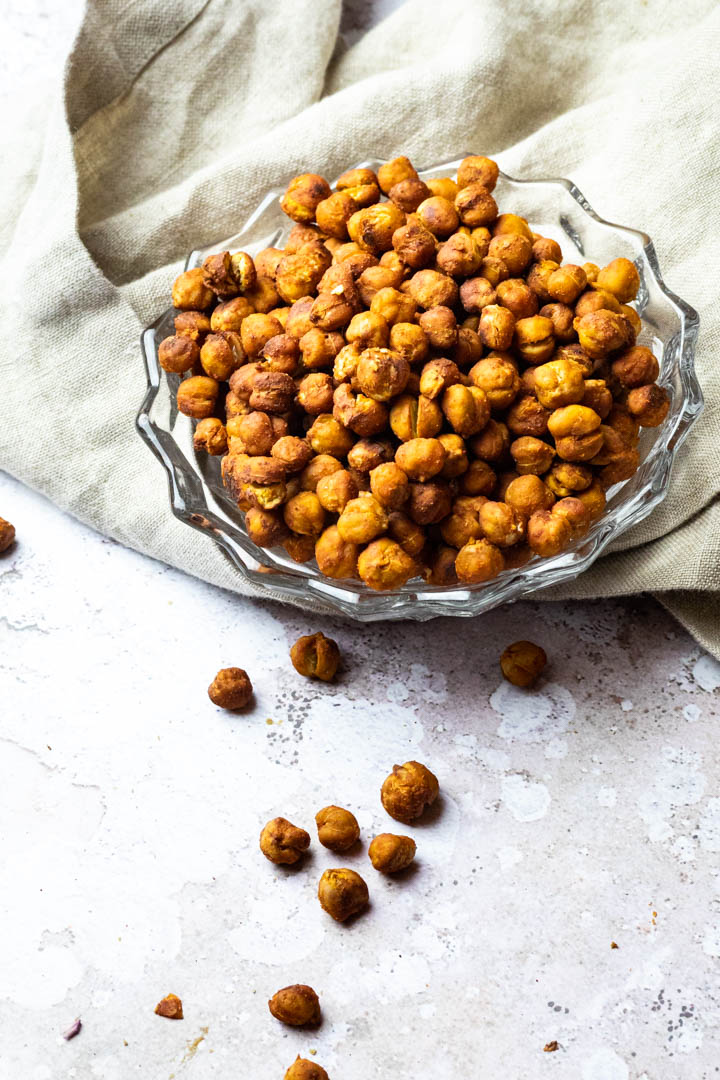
{"type": "Point", "coordinates": [586, 813]}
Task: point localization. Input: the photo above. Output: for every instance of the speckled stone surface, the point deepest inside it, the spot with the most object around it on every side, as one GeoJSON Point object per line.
{"type": "Point", "coordinates": [583, 814]}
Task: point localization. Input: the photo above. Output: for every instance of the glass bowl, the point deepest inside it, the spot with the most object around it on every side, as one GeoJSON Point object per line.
{"type": "Point", "coordinates": [555, 208]}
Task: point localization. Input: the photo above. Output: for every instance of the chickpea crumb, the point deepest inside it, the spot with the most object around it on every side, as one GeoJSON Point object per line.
{"type": "Point", "coordinates": [170, 1007]}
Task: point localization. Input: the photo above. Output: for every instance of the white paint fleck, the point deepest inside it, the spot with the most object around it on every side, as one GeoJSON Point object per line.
{"type": "Point", "coordinates": [526, 799]}
{"type": "Point", "coordinates": [397, 691]}
{"type": "Point", "coordinates": [678, 782]}
{"type": "Point", "coordinates": [465, 744]}
{"type": "Point", "coordinates": [427, 1010]}
{"type": "Point", "coordinates": [683, 848]}
{"type": "Point", "coordinates": [607, 796]}
{"type": "Point", "coordinates": [689, 1038]}
{"type": "Point", "coordinates": [626, 705]}
{"type": "Point", "coordinates": [709, 827]}
{"type": "Point", "coordinates": [692, 713]}
{"type": "Point", "coordinates": [509, 857]}
{"type": "Point", "coordinates": [557, 749]}
{"type": "Point", "coordinates": [605, 1064]}
{"type": "Point", "coordinates": [535, 717]}
{"type": "Point", "coordinates": [706, 673]}
{"type": "Point", "coordinates": [711, 940]}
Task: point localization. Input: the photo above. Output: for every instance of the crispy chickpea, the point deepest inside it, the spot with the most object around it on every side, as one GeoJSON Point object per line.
{"type": "Point", "coordinates": [345, 365]}
{"type": "Point", "coordinates": [469, 348]}
{"type": "Point", "coordinates": [414, 243]}
{"type": "Point", "coordinates": [591, 271]}
{"type": "Point", "coordinates": [478, 479]}
{"type": "Point", "coordinates": [429, 503]}
{"type": "Point", "coordinates": [342, 893]}
{"type": "Point", "coordinates": [568, 477]}
{"type": "Point", "coordinates": [319, 349]}
{"type": "Point", "coordinates": [575, 513]}
{"type": "Point", "coordinates": [338, 829]}
{"type": "Point", "coordinates": [437, 376]}
{"type": "Point", "coordinates": [385, 565]}
{"type": "Point", "coordinates": [336, 558]}
{"type": "Point", "coordinates": [439, 216]}
{"type": "Point", "coordinates": [596, 300]}
{"type": "Point", "coordinates": [579, 447]}
{"type": "Point", "coordinates": [332, 214]}
{"type": "Point", "coordinates": [636, 366]}
{"type": "Point", "coordinates": [331, 311]}
{"type": "Point", "coordinates": [518, 298]}
{"type": "Point", "coordinates": [534, 339]}
{"type": "Point", "coordinates": [222, 354]}
{"type": "Point", "coordinates": [538, 277]}
{"type": "Point", "coordinates": [316, 657]}
{"type": "Point", "coordinates": [335, 491]}
{"type": "Point", "coordinates": [369, 330]}
{"type": "Point", "coordinates": [256, 331]}
{"type": "Point", "coordinates": [367, 454]}
{"type": "Point", "coordinates": [566, 283]}
{"type": "Point", "coordinates": [478, 561]}
{"type": "Point", "coordinates": [504, 480]}
{"type": "Point", "coordinates": [466, 408]}
{"type": "Point", "coordinates": [408, 791]}
{"type": "Point", "coordinates": [601, 332]}
{"type": "Point", "coordinates": [475, 205]}
{"type": "Point", "coordinates": [501, 524]}
{"type": "Point", "coordinates": [547, 250]}
{"type": "Point", "coordinates": [193, 324]}
{"type": "Point", "coordinates": [178, 354]}
{"type": "Point", "coordinates": [170, 1007]}
{"type": "Point", "coordinates": [283, 843]}
{"type": "Point", "coordinates": [573, 420]}
{"type": "Point", "coordinates": [304, 514]}
{"type": "Point", "coordinates": [231, 689]}
{"type": "Point", "coordinates": [272, 392]}
{"type": "Point", "coordinates": [296, 1006]}
{"type": "Point", "coordinates": [649, 405]}
{"type": "Point", "coordinates": [298, 275]}
{"type": "Point", "coordinates": [526, 416]}
{"type": "Point", "coordinates": [496, 327]}
{"type": "Point", "coordinates": [197, 396]}
{"type": "Point", "coordinates": [460, 528]}
{"type": "Point", "coordinates": [492, 443]}
{"type": "Point", "coordinates": [300, 235]}
{"type": "Point", "coordinates": [522, 663]}
{"type": "Point", "coordinates": [558, 383]}
{"type": "Point", "coordinates": [317, 467]}
{"type": "Point", "coordinates": [372, 228]}
{"type": "Point", "coordinates": [409, 194]}
{"type": "Point", "coordinates": [532, 455]}
{"type": "Point", "coordinates": [441, 569]}
{"type": "Point", "coordinates": [302, 1069]}
{"type": "Point", "coordinates": [359, 413]}
{"type": "Point", "coordinates": [315, 393]}
{"type": "Point", "coordinates": [476, 294]}
{"type": "Point", "coordinates": [281, 353]}
{"type": "Point", "coordinates": [393, 306]}
{"type": "Point", "coordinates": [421, 459]}
{"type": "Point", "coordinates": [440, 326]}
{"type": "Point", "coordinates": [389, 484]}
{"type": "Point", "coordinates": [431, 289]}
{"type": "Point", "coordinates": [619, 418]}
{"type": "Point", "coordinates": [266, 261]}
{"type": "Point", "coordinates": [562, 317]}
{"type": "Point", "coordinates": [460, 255]}
{"type": "Point", "coordinates": [498, 378]}
{"type": "Point", "coordinates": [327, 436]}
{"type": "Point", "coordinates": [528, 494]}
{"type": "Point", "coordinates": [298, 320]}
{"type": "Point", "coordinates": [393, 172]}
{"type": "Point", "coordinates": [211, 436]}
{"type": "Point", "coordinates": [632, 317]}
{"type": "Point", "coordinates": [593, 499]}
{"type": "Point", "coordinates": [548, 534]}
{"type": "Point", "coordinates": [477, 169]}
{"type": "Point", "coordinates": [512, 249]}
{"type": "Point", "coordinates": [190, 293]}
{"type": "Point", "coordinates": [218, 275]}
{"type": "Point", "coordinates": [597, 397]}
{"type": "Point", "coordinates": [512, 225]}
{"type": "Point", "coordinates": [443, 185]}
{"type": "Point", "coordinates": [356, 178]}
{"type": "Point", "coordinates": [382, 374]}
{"type": "Point", "coordinates": [362, 519]}
{"type": "Point", "coordinates": [577, 354]}
{"type": "Point", "coordinates": [265, 527]}
{"type": "Point", "coordinates": [303, 195]}
{"type": "Point", "coordinates": [390, 854]}
{"type": "Point", "coordinates": [406, 532]}
{"type": "Point", "coordinates": [620, 277]}
{"type": "Point", "coordinates": [410, 341]}
{"type": "Point", "coordinates": [494, 270]}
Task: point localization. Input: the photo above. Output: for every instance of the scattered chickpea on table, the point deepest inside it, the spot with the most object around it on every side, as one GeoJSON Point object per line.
{"type": "Point", "coordinates": [416, 386]}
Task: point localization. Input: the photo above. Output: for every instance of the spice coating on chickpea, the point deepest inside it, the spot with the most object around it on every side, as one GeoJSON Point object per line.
{"type": "Point", "coordinates": [302, 1069]}
{"type": "Point", "coordinates": [522, 663]}
{"type": "Point", "coordinates": [408, 791]}
{"type": "Point", "coordinates": [338, 829]}
{"type": "Point", "coordinates": [390, 853]}
{"type": "Point", "coordinates": [385, 565]}
{"type": "Point", "coordinates": [7, 534]}
{"type": "Point", "coordinates": [342, 893]}
{"type": "Point", "coordinates": [282, 842]}
{"type": "Point", "coordinates": [231, 689]}
{"type": "Point", "coordinates": [316, 657]}
{"type": "Point", "coordinates": [296, 1006]}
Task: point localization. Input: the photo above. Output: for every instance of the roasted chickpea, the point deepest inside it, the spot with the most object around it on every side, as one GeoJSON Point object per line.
{"type": "Point", "coordinates": [522, 663]}
{"type": "Point", "coordinates": [256, 331]}
{"type": "Point", "coordinates": [469, 348]}
{"type": "Point", "coordinates": [579, 447]}
{"type": "Point", "coordinates": [429, 503]}
{"type": "Point", "coordinates": [319, 349]}
{"type": "Point", "coordinates": [303, 195]}
{"type": "Point", "coordinates": [298, 320]}
{"type": "Point", "coordinates": [478, 479]}
{"type": "Point", "coordinates": [283, 843]}
{"type": "Point", "coordinates": [437, 376]}
{"type": "Point", "coordinates": [338, 829]}
{"type": "Point", "coordinates": [602, 332]}
{"type": "Point", "coordinates": [497, 378]}
{"type": "Point", "coordinates": [327, 436]}
{"type": "Point", "coordinates": [367, 454]}
{"type": "Point", "coordinates": [336, 558]}
{"type": "Point", "coordinates": [421, 459]}
{"type": "Point", "coordinates": [197, 396]}
{"type": "Point", "coordinates": [222, 354]}
{"type": "Point", "coordinates": [547, 250]}
{"type": "Point", "coordinates": [385, 565]}
{"type": "Point", "coordinates": [342, 893]}
{"type": "Point", "coordinates": [568, 477]}
{"type": "Point", "coordinates": [393, 306]}
{"type": "Point", "coordinates": [518, 298]}
{"type": "Point", "coordinates": [317, 467]}
{"type": "Point", "coordinates": [272, 392]}
{"type": "Point", "coordinates": [409, 194]}
{"type": "Point", "coordinates": [649, 405]}
{"type": "Point", "coordinates": [358, 412]}
{"type": "Point", "coordinates": [513, 249]}
{"type": "Point", "coordinates": [596, 300]}
{"type": "Point", "coordinates": [193, 324]}
{"type": "Point", "coordinates": [636, 367]}
{"type": "Point", "coordinates": [281, 353]}
{"type": "Point", "coordinates": [439, 216]}
{"type": "Point", "coordinates": [526, 416]}
{"type": "Point", "coordinates": [534, 339]}
{"type": "Point", "coordinates": [389, 483]}
{"type": "Point", "coordinates": [441, 569]}
{"type": "Point", "coordinates": [356, 178]}
{"type": "Point", "coordinates": [532, 455]}
{"type": "Point", "coordinates": [558, 383]}
{"type": "Point", "coordinates": [178, 354]}
{"type": "Point", "coordinates": [460, 528]}
{"type": "Point", "coordinates": [414, 243]}
{"type": "Point", "coordinates": [476, 294]}
{"type": "Point", "coordinates": [512, 225]}
{"type": "Point", "coordinates": [407, 533]}
{"type": "Point", "coordinates": [496, 327]}
{"type": "Point", "coordinates": [408, 791]}
{"type": "Point", "coordinates": [382, 373]}
{"type": "Point", "coordinates": [302, 1069]}
{"type": "Point", "coordinates": [332, 214]}
{"type": "Point", "coordinates": [336, 490]}
{"type": "Point", "coordinates": [443, 185]}
{"type": "Point", "coordinates": [492, 443]}
{"type": "Point", "coordinates": [304, 514]}
{"type": "Point", "coordinates": [460, 255]}
{"type": "Point", "coordinates": [211, 436]}
{"type": "Point", "coordinates": [218, 275]}
{"type": "Point", "coordinates": [501, 524]}
{"type": "Point", "coordinates": [548, 534]}
{"type": "Point", "coordinates": [432, 289]}
{"type": "Point", "coordinates": [393, 172]}
{"type": "Point", "coordinates": [566, 283]}
{"type": "Point", "coordinates": [620, 277]}
{"type": "Point", "coordinates": [538, 277]}
{"type": "Point", "coordinates": [466, 408]}
{"type": "Point", "coordinates": [562, 317]}
{"type": "Point", "coordinates": [368, 330]}
{"type": "Point", "coordinates": [597, 397]}
{"type": "Point", "coordinates": [390, 854]}
{"type": "Point", "coordinates": [300, 236]}
{"type": "Point", "coordinates": [315, 393]}
{"type": "Point", "coordinates": [494, 270]}
{"type": "Point", "coordinates": [316, 657]}
{"type": "Point", "coordinates": [477, 169]}
{"type": "Point", "coordinates": [190, 293]}
{"type": "Point", "coordinates": [410, 341]}
{"type": "Point", "coordinates": [231, 689]}
{"type": "Point", "coordinates": [475, 205]}
{"type": "Point", "coordinates": [478, 561]}
{"type": "Point", "coordinates": [266, 261]}
{"type": "Point", "coordinates": [575, 514]}
{"type": "Point", "coordinates": [298, 275]}
{"type": "Point", "coordinates": [528, 494]}
{"type": "Point", "coordinates": [440, 326]}
{"type": "Point", "coordinates": [265, 528]}
{"type": "Point", "coordinates": [372, 228]}
{"type": "Point", "coordinates": [362, 519]}
{"type": "Point", "coordinates": [573, 420]}
{"type": "Point", "coordinates": [296, 1006]}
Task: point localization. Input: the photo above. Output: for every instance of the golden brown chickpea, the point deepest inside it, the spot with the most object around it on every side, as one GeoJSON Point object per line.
{"type": "Point", "coordinates": [512, 249]}
{"type": "Point", "coordinates": [460, 528]}
{"type": "Point", "coordinates": [256, 330]}
{"type": "Point", "coordinates": [567, 477]}
{"type": "Point", "coordinates": [501, 524]}
{"type": "Point", "coordinates": [356, 178]}
{"type": "Point", "coordinates": [532, 455]}
{"type": "Point", "coordinates": [300, 235]}
{"type": "Point", "coordinates": [620, 277]}
{"type": "Point", "coordinates": [281, 353]}
{"type": "Point", "coordinates": [504, 480]}
{"type": "Point", "coordinates": [460, 255]}
{"type": "Point", "coordinates": [211, 436]}
{"type": "Point", "coordinates": [566, 283]}
{"type": "Point", "coordinates": [390, 854]}
{"type": "Point", "coordinates": [338, 829]}
{"type": "Point", "coordinates": [469, 348]}
{"type": "Point", "coordinates": [392, 261]}
{"type": "Point", "coordinates": [478, 479]}
{"type": "Point", "coordinates": [362, 519]}
{"type": "Point", "coordinates": [414, 244]}
{"type": "Point", "coordinates": [526, 416]}
{"type": "Point", "coordinates": [547, 250]}
{"type": "Point", "coordinates": [498, 378]}
{"type": "Point", "coordinates": [392, 172]}
{"type": "Point", "coordinates": [440, 326]}
{"type": "Point", "coordinates": [336, 490]}
{"type": "Point", "coordinates": [178, 354]}
{"type": "Point", "coordinates": [596, 300]}
{"type": "Point", "coordinates": [410, 341]}
{"type": "Point", "coordinates": [170, 1007]}
{"type": "Point", "coordinates": [562, 317]}
{"type": "Point", "coordinates": [538, 278]}
{"type": "Point", "coordinates": [476, 294]}
{"type": "Point", "coordinates": [219, 275]}
{"type": "Point", "coordinates": [265, 527]}
{"type": "Point", "coordinates": [632, 317]}
{"type": "Point", "coordinates": [315, 393]}
{"type": "Point", "coordinates": [579, 447]}
{"type": "Point", "coordinates": [558, 383]}
{"type": "Point", "coordinates": [518, 298]}
{"type": "Point", "coordinates": [197, 396]}
{"type": "Point", "coordinates": [649, 405]}
{"type": "Point", "coordinates": [298, 321]}
{"type": "Point", "coordinates": [522, 663]}
{"type": "Point", "coordinates": [477, 169]}
{"type": "Point", "coordinates": [478, 561]}
{"type": "Point", "coordinates": [193, 324]}
{"type": "Point", "coordinates": [575, 513]}
{"type": "Point", "coordinates": [437, 376]}
{"type": "Point", "coordinates": [393, 306]}
{"type": "Point", "coordinates": [190, 293]}
{"type": "Point", "coordinates": [385, 565]}
{"type": "Point", "coordinates": [327, 436]}
{"type": "Point", "coordinates": [619, 418]}
{"type": "Point", "coordinates": [597, 397]}
{"type": "Point", "coordinates": [494, 270]}
{"type": "Point", "coordinates": [408, 791]}
{"type": "Point", "coordinates": [622, 467]}
{"type": "Point", "coordinates": [296, 1006]}
{"type": "Point", "coordinates": [492, 443]}
{"type": "Point", "coordinates": [372, 228]}
{"type": "Point", "coordinates": [593, 499]}
{"type": "Point", "coordinates": [429, 503]}
{"type": "Point", "coordinates": [636, 366]}
{"type": "Point", "coordinates": [496, 327]}
{"type": "Point", "coordinates": [432, 289]}
{"type": "Point", "coordinates": [421, 459]}
{"type": "Point", "coordinates": [534, 339]}
{"type": "Point", "coordinates": [336, 558]}
{"type": "Point", "coordinates": [317, 467]}
{"type": "Point", "coordinates": [602, 332]}
{"type": "Point", "coordinates": [298, 275]}
{"type": "Point", "coordinates": [302, 1069]}
{"type": "Point", "coordinates": [548, 534]}
{"type": "Point", "coordinates": [302, 196]}
{"type": "Point", "coordinates": [528, 494]}
{"type": "Point", "coordinates": [577, 354]}
{"type": "Point", "coordinates": [304, 514]}
{"type": "Point", "coordinates": [441, 569]}
{"type": "Point", "coordinates": [359, 413]}
{"type": "Point", "coordinates": [591, 271]}
{"type": "Point", "coordinates": [319, 349]}
{"type": "Point", "coordinates": [443, 185]}
{"type": "Point", "coordinates": [345, 365]}
{"type": "Point", "coordinates": [466, 408]}
{"type": "Point", "coordinates": [231, 689]}
{"type": "Point", "coordinates": [573, 420]}
{"type": "Point", "coordinates": [282, 842]}
{"type": "Point", "coordinates": [356, 259]}
{"type": "Point", "coordinates": [382, 374]}
{"type": "Point", "coordinates": [512, 225]}
{"type": "Point", "coordinates": [272, 392]}
{"type": "Point", "coordinates": [332, 214]}
{"type": "Point", "coordinates": [368, 330]}
{"type": "Point", "coordinates": [475, 205]}
{"type": "Point", "coordinates": [258, 470]}
{"type": "Point", "coordinates": [439, 216]}
{"type": "Point", "coordinates": [266, 261]}
{"type": "Point", "coordinates": [331, 311]}
{"type": "Point", "coordinates": [389, 484]}
{"type": "Point", "coordinates": [409, 194]}
{"type": "Point", "coordinates": [367, 454]}
{"type": "Point", "coordinates": [342, 893]}
{"type": "Point", "coordinates": [222, 354]}
{"type": "Point", "coordinates": [316, 657]}
{"type": "Point", "coordinates": [375, 278]}
{"type": "Point", "coordinates": [407, 533]}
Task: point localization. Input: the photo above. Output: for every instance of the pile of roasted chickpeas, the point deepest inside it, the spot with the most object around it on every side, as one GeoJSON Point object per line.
{"type": "Point", "coordinates": [417, 386]}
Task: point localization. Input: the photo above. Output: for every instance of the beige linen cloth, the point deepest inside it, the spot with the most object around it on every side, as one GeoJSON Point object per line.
{"type": "Point", "coordinates": [174, 118]}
